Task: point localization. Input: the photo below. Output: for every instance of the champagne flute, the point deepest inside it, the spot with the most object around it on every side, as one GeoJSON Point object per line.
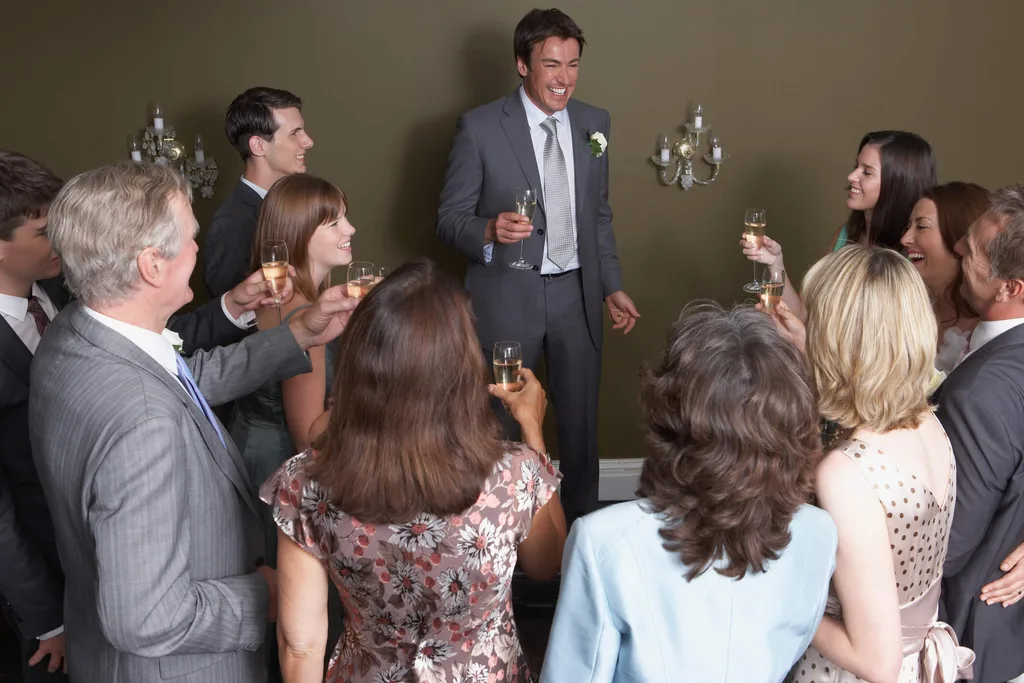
{"type": "Point", "coordinates": [380, 272]}
{"type": "Point", "coordinates": [274, 260]}
{"type": "Point", "coordinates": [753, 231]}
{"type": "Point", "coordinates": [526, 202]}
{"type": "Point", "coordinates": [508, 365]}
{"type": "Point", "coordinates": [772, 285]}
{"type": "Point", "coordinates": [360, 279]}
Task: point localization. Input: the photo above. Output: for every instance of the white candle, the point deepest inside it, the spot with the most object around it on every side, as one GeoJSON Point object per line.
{"type": "Point", "coordinates": [664, 154]}
{"type": "Point", "coordinates": [136, 155]}
{"type": "Point", "coordinates": [200, 157]}
{"type": "Point", "coordinates": [716, 153]}
{"type": "Point", "coordinates": [698, 121]}
{"type": "Point", "coordinates": [158, 122]}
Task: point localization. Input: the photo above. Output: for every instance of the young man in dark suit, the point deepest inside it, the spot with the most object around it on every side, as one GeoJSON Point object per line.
{"type": "Point", "coordinates": [265, 126]}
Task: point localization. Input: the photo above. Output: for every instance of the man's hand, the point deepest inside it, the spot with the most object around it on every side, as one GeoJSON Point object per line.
{"type": "Point", "coordinates": [54, 647]}
{"type": "Point", "coordinates": [621, 310]}
{"type": "Point", "coordinates": [325, 319]}
{"type": "Point", "coordinates": [508, 228]}
{"type": "Point", "coordinates": [271, 576]}
{"type": "Point", "coordinates": [254, 292]}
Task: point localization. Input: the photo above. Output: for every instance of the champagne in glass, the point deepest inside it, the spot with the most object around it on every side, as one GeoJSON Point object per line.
{"type": "Point", "coordinates": [526, 203]}
{"type": "Point", "coordinates": [753, 231]}
{"type": "Point", "coordinates": [360, 279]}
{"type": "Point", "coordinates": [274, 260]}
{"type": "Point", "coordinates": [771, 288]}
{"type": "Point", "coordinates": [508, 365]}
{"type": "Point", "coordinates": [381, 272]}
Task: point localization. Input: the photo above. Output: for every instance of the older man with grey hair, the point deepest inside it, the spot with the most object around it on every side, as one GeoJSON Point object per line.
{"type": "Point", "coordinates": [156, 530]}
{"type": "Point", "coordinates": [981, 407]}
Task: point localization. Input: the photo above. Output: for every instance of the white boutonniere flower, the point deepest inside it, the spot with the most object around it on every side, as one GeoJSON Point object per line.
{"type": "Point", "coordinates": [173, 338]}
{"type": "Point", "coordinates": [598, 144]}
{"type": "Point", "coordinates": [937, 379]}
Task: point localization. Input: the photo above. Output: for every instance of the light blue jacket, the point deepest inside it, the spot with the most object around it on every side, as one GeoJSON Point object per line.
{"type": "Point", "coordinates": [626, 613]}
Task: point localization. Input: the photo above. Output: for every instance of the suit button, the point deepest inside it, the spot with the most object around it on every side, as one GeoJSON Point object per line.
{"type": "Point", "coordinates": [540, 231]}
{"type": "Point", "coordinates": [536, 267]}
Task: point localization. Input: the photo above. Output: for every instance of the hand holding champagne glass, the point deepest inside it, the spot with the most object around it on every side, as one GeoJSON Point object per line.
{"type": "Point", "coordinates": [274, 260]}
{"type": "Point", "coordinates": [361, 279]}
{"type": "Point", "coordinates": [526, 203]}
{"type": "Point", "coordinates": [753, 232]}
{"type": "Point", "coordinates": [772, 285]}
{"type": "Point", "coordinates": [508, 365]}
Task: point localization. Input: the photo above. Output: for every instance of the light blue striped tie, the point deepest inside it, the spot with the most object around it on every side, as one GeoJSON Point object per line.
{"type": "Point", "coordinates": [561, 237]}
{"type": "Point", "coordinates": [185, 376]}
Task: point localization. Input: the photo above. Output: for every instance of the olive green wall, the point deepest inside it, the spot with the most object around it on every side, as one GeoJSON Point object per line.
{"type": "Point", "coordinates": [789, 85]}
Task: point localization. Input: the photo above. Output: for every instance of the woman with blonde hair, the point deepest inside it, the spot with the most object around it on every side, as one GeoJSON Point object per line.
{"type": "Point", "coordinates": [890, 480]}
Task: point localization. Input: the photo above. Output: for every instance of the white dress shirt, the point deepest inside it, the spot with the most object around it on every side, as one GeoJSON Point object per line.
{"type": "Point", "coordinates": [154, 345]}
{"type": "Point", "coordinates": [987, 330]}
{"type": "Point", "coordinates": [15, 311]}
{"type": "Point", "coordinates": [534, 118]}
{"type": "Point", "coordinates": [255, 188]}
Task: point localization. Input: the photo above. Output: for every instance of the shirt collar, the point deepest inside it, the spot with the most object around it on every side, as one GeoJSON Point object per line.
{"type": "Point", "coordinates": [535, 117]}
{"type": "Point", "coordinates": [156, 346]}
{"type": "Point", "coordinates": [987, 330]}
{"type": "Point", "coordinates": [255, 188]}
{"type": "Point", "coordinates": [17, 306]}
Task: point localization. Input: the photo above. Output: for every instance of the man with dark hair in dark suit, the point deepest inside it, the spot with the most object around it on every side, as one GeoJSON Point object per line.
{"type": "Point", "coordinates": [31, 295]}
{"type": "Point", "coordinates": [981, 407]}
{"type": "Point", "coordinates": [265, 126]}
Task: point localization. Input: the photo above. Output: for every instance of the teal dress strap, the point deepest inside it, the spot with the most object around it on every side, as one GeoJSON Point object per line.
{"type": "Point", "coordinates": [841, 240]}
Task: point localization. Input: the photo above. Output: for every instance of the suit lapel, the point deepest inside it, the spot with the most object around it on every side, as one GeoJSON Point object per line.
{"type": "Point", "coordinates": [580, 157]}
{"type": "Point", "coordinates": [249, 197]}
{"type": "Point", "coordinates": [517, 129]}
{"type": "Point", "coordinates": [13, 351]}
{"type": "Point", "coordinates": [224, 455]}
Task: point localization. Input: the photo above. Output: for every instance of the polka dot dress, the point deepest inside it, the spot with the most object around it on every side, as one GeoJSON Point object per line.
{"type": "Point", "coordinates": [918, 526]}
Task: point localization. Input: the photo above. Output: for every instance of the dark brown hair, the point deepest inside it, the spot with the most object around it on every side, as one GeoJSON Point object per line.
{"type": "Point", "coordinates": [958, 204]}
{"type": "Point", "coordinates": [540, 24]}
{"type": "Point", "coordinates": [908, 169]}
{"type": "Point", "coordinates": [294, 208]}
{"type": "Point", "coordinates": [27, 188]}
{"type": "Point", "coordinates": [412, 430]}
{"type": "Point", "coordinates": [731, 426]}
{"type": "Point", "coordinates": [252, 113]}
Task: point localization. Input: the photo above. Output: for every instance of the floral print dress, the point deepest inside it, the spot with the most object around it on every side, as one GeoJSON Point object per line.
{"type": "Point", "coordinates": [428, 600]}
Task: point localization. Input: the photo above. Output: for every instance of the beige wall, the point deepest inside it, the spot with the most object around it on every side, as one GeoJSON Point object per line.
{"type": "Point", "coordinates": [789, 85]}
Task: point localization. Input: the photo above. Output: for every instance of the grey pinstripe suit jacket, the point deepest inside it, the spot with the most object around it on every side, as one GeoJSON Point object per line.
{"type": "Point", "coordinates": [156, 532]}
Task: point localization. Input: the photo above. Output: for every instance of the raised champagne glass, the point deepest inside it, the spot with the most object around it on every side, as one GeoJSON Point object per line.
{"type": "Point", "coordinates": [274, 261]}
{"type": "Point", "coordinates": [360, 279]}
{"type": "Point", "coordinates": [526, 203]}
{"type": "Point", "coordinates": [508, 365]}
{"type": "Point", "coordinates": [753, 231]}
{"type": "Point", "coordinates": [772, 285]}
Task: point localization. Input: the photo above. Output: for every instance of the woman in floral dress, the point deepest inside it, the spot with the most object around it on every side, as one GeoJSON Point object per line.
{"type": "Point", "coordinates": [411, 504]}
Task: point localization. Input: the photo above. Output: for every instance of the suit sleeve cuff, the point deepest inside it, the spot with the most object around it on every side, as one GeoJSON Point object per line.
{"type": "Point", "coordinates": [52, 634]}
{"type": "Point", "coordinates": [242, 322]}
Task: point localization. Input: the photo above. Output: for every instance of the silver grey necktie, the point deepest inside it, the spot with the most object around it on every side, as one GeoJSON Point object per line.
{"type": "Point", "coordinates": [561, 237]}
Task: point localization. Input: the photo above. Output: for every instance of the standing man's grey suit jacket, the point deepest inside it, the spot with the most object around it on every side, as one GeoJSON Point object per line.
{"type": "Point", "coordinates": [156, 531]}
{"type": "Point", "coordinates": [981, 407]}
{"type": "Point", "coordinates": [492, 155]}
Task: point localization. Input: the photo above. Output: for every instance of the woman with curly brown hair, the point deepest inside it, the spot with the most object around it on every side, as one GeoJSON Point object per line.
{"type": "Point", "coordinates": [720, 571]}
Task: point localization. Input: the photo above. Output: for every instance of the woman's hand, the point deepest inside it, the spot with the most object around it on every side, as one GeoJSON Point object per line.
{"type": "Point", "coordinates": [1009, 589]}
{"type": "Point", "coordinates": [770, 252]}
{"type": "Point", "coordinates": [789, 325]}
{"type": "Point", "coordinates": [527, 405]}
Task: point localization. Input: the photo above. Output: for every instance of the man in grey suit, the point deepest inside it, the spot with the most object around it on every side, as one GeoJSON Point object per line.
{"type": "Point", "coordinates": [539, 137]}
{"type": "Point", "coordinates": [981, 407]}
{"type": "Point", "coordinates": [158, 536]}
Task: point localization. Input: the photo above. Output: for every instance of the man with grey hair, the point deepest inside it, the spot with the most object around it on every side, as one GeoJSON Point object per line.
{"type": "Point", "coordinates": [157, 533]}
{"type": "Point", "coordinates": [981, 407]}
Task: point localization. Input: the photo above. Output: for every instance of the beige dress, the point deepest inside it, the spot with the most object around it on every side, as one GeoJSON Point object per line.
{"type": "Point", "coordinates": [918, 526]}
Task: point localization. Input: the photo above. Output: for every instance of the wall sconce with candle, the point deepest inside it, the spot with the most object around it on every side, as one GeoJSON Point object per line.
{"type": "Point", "coordinates": [676, 160]}
{"type": "Point", "coordinates": [160, 146]}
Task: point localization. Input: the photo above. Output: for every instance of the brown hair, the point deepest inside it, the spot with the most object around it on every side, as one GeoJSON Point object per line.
{"type": "Point", "coordinates": [412, 430]}
{"type": "Point", "coordinates": [958, 205]}
{"type": "Point", "coordinates": [731, 426]}
{"type": "Point", "coordinates": [252, 113]}
{"type": "Point", "coordinates": [27, 188]}
{"type": "Point", "coordinates": [294, 208]}
{"type": "Point", "coordinates": [540, 24]}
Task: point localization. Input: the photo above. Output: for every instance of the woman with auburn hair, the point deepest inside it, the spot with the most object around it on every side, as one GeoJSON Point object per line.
{"type": "Point", "coordinates": [940, 219]}
{"type": "Point", "coordinates": [890, 480]}
{"type": "Point", "coordinates": [892, 170]}
{"type": "Point", "coordinates": [411, 504]}
{"type": "Point", "coordinates": [720, 571]}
